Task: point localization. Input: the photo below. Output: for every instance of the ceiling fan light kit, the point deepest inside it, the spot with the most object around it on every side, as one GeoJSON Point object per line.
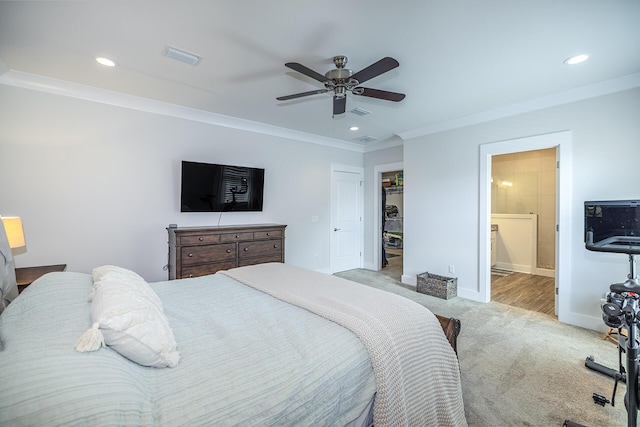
{"type": "Point", "coordinates": [341, 79]}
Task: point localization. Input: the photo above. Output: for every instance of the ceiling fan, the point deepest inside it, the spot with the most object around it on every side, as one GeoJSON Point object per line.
{"type": "Point", "coordinates": [343, 79]}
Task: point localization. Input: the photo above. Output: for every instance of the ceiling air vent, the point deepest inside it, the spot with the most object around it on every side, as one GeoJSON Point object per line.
{"type": "Point", "coordinates": [182, 55]}
{"type": "Point", "coordinates": [360, 112]}
{"type": "Point", "coordinates": [365, 138]}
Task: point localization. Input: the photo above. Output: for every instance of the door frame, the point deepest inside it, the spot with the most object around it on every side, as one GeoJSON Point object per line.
{"type": "Point", "coordinates": [348, 169]}
{"type": "Point", "coordinates": [562, 142]}
{"type": "Point", "coordinates": [378, 170]}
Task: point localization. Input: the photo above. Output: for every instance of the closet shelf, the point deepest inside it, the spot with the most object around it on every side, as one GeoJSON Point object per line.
{"type": "Point", "coordinates": [395, 189]}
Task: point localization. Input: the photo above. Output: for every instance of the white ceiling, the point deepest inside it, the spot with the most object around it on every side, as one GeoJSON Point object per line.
{"type": "Point", "coordinates": [457, 58]}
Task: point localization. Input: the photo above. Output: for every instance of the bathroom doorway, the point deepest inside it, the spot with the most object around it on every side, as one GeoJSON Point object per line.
{"type": "Point", "coordinates": [523, 229]}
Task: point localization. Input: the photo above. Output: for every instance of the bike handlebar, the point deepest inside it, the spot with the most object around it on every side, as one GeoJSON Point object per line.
{"type": "Point", "coordinates": [615, 244]}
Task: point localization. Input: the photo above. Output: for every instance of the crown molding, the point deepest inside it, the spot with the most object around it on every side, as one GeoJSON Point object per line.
{"type": "Point", "coordinates": [74, 90]}
{"type": "Point", "coordinates": [104, 96]}
{"type": "Point", "coordinates": [604, 87]}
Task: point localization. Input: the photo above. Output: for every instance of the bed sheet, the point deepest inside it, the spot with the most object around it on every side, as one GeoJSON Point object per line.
{"type": "Point", "coordinates": [247, 359]}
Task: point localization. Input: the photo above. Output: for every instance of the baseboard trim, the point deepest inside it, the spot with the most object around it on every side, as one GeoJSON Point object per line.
{"type": "Point", "coordinates": [409, 279]}
{"type": "Point", "coordinates": [527, 269]}
{"type": "Point", "coordinates": [545, 272]}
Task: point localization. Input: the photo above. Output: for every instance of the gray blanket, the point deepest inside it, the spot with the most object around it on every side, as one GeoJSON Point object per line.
{"type": "Point", "coordinates": [416, 370]}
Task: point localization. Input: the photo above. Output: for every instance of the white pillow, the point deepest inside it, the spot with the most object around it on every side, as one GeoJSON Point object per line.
{"type": "Point", "coordinates": [127, 315]}
{"type": "Point", "coordinates": [114, 271]}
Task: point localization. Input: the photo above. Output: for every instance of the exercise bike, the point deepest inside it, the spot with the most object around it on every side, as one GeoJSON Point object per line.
{"type": "Point", "coordinates": [622, 311]}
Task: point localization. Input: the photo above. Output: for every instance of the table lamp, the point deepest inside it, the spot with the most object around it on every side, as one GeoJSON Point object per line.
{"type": "Point", "coordinates": [15, 233]}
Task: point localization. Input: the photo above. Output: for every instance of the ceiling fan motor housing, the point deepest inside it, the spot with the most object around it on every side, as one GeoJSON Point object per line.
{"type": "Point", "coordinates": [339, 74]}
{"type": "Point", "coordinates": [340, 78]}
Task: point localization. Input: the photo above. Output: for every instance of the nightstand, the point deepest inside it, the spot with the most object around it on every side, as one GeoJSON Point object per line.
{"type": "Point", "coordinates": [27, 275]}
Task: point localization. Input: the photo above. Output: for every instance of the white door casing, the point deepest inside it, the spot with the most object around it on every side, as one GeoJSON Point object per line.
{"type": "Point", "coordinates": [562, 142]}
{"type": "Point", "coordinates": [378, 170]}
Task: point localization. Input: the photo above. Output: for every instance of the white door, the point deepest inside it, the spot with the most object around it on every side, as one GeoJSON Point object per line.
{"type": "Point", "coordinates": [346, 219]}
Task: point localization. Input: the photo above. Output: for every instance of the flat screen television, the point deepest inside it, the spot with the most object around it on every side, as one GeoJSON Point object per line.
{"type": "Point", "coordinates": [207, 187]}
{"type": "Point", "coordinates": [612, 226]}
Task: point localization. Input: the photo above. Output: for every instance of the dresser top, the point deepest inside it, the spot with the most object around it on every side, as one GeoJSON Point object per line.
{"type": "Point", "coordinates": [226, 227]}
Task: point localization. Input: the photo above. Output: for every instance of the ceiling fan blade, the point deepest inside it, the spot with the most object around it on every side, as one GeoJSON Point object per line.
{"type": "Point", "coordinates": [306, 71]}
{"type": "Point", "coordinates": [375, 69]}
{"type": "Point", "coordinates": [301, 94]}
{"type": "Point", "coordinates": [380, 94]}
{"type": "Point", "coordinates": [339, 105]}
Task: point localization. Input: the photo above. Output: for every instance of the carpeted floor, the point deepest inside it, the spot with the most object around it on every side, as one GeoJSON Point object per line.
{"type": "Point", "coordinates": [521, 368]}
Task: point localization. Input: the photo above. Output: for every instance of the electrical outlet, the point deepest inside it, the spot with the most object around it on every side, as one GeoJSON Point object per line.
{"type": "Point", "coordinates": [452, 269]}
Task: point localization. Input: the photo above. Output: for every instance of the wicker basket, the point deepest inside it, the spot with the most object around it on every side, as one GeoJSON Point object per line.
{"type": "Point", "coordinates": [437, 286]}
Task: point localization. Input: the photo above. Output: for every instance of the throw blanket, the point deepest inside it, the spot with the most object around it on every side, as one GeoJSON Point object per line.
{"type": "Point", "coordinates": [416, 370]}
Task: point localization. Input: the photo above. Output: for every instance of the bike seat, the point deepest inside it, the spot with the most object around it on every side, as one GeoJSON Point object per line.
{"type": "Point", "coordinates": [628, 286]}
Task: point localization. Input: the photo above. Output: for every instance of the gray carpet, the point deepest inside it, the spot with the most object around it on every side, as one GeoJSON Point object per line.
{"type": "Point", "coordinates": [521, 368]}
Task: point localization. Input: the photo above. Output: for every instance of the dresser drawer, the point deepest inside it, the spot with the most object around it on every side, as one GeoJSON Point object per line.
{"type": "Point", "coordinates": [273, 234]}
{"type": "Point", "coordinates": [204, 269]}
{"type": "Point", "coordinates": [260, 260]}
{"type": "Point", "coordinates": [205, 254]}
{"type": "Point", "coordinates": [259, 249]}
{"type": "Point", "coordinates": [235, 237]}
{"type": "Point", "coordinates": [202, 239]}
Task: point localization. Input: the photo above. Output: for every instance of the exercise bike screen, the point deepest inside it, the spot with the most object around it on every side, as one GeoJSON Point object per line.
{"type": "Point", "coordinates": [613, 223]}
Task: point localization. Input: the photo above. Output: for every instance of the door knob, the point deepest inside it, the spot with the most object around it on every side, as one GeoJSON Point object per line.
{"type": "Point", "coordinates": [336, 229]}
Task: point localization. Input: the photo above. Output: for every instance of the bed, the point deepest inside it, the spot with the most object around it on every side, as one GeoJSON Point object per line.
{"type": "Point", "coordinates": [247, 352]}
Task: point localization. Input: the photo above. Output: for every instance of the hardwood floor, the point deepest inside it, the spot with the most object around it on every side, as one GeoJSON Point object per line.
{"type": "Point", "coordinates": [528, 291]}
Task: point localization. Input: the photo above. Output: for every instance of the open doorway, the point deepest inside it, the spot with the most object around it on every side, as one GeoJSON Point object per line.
{"type": "Point", "coordinates": [523, 220]}
{"type": "Point", "coordinates": [562, 142]}
{"type": "Point", "coordinates": [392, 214]}
{"type": "Point", "coordinates": [389, 170]}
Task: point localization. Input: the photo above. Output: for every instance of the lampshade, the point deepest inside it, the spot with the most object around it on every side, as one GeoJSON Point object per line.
{"type": "Point", "coordinates": [15, 234]}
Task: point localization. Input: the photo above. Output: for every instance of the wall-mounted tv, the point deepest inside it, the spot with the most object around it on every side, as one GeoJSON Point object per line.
{"type": "Point", "coordinates": [210, 187]}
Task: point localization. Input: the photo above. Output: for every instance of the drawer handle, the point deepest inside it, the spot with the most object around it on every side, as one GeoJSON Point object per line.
{"type": "Point", "coordinates": [246, 249]}
{"type": "Point", "coordinates": [191, 275]}
{"type": "Point", "coordinates": [201, 238]}
{"type": "Point", "coordinates": [237, 237]}
{"type": "Point", "coordinates": [190, 255]}
{"type": "Point", "coordinates": [228, 251]}
{"type": "Point", "coordinates": [268, 234]}
{"type": "Point", "coordinates": [275, 246]}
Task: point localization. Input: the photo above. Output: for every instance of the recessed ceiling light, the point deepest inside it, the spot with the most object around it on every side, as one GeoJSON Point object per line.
{"type": "Point", "coordinates": [106, 61]}
{"type": "Point", "coordinates": [354, 128]}
{"type": "Point", "coordinates": [576, 59]}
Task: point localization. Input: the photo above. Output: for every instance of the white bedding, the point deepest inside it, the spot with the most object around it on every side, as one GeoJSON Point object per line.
{"type": "Point", "coordinates": [247, 359]}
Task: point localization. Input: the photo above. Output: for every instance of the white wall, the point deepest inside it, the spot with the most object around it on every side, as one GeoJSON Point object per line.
{"type": "Point", "coordinates": [442, 196]}
{"type": "Point", "coordinates": [97, 184]}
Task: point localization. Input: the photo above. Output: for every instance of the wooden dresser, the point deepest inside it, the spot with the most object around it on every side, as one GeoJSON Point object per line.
{"type": "Point", "coordinates": [198, 251]}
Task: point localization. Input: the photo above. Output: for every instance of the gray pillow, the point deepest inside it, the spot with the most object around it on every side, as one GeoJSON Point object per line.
{"type": "Point", "coordinates": [8, 287]}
